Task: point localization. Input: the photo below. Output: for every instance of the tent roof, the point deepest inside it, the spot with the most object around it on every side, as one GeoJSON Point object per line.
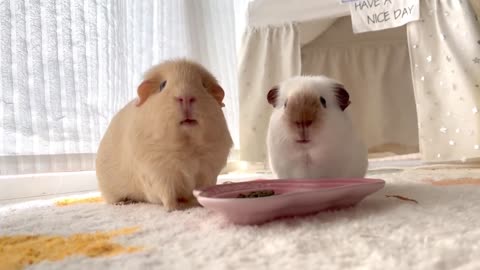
{"type": "Point", "coordinates": [274, 12]}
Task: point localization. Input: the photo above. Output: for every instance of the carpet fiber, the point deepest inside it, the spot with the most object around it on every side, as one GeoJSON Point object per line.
{"type": "Point", "coordinates": [422, 219]}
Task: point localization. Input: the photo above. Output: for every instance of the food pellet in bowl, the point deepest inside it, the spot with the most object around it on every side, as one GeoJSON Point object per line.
{"type": "Point", "coordinates": [257, 194]}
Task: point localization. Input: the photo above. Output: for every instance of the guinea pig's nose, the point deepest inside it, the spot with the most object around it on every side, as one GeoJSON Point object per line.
{"type": "Point", "coordinates": [303, 124]}
{"type": "Point", "coordinates": [186, 99]}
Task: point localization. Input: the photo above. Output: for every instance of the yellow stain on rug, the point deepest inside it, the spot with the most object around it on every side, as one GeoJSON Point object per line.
{"type": "Point", "coordinates": [19, 251]}
{"type": "Point", "coordinates": [70, 201]}
{"type": "Point", "coordinates": [454, 182]}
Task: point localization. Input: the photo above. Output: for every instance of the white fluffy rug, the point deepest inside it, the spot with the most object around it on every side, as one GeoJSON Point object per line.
{"type": "Point", "coordinates": [441, 231]}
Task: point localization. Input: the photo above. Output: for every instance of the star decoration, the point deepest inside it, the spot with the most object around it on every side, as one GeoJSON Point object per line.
{"type": "Point", "coordinates": [476, 60]}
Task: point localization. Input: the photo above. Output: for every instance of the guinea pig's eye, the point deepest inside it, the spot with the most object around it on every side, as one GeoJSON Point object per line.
{"type": "Point", "coordinates": [285, 104]}
{"type": "Point", "coordinates": [324, 102]}
{"type": "Point", "coordinates": [162, 85]}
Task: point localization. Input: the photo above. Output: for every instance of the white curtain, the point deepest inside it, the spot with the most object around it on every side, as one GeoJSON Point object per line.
{"type": "Point", "coordinates": [445, 57]}
{"type": "Point", "coordinates": [268, 56]}
{"type": "Point", "coordinates": [66, 67]}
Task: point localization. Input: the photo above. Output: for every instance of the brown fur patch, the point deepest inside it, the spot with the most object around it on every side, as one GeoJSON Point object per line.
{"type": "Point", "coordinates": [343, 98]}
{"type": "Point", "coordinates": [272, 96]}
{"type": "Point", "coordinates": [302, 108]}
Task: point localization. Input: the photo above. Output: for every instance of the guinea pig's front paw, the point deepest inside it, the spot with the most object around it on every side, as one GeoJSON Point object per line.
{"type": "Point", "coordinates": [181, 204]}
{"type": "Point", "coordinates": [171, 204]}
{"type": "Point", "coordinates": [126, 201]}
{"type": "Point", "coordinates": [191, 203]}
{"type": "Point", "coordinates": [171, 208]}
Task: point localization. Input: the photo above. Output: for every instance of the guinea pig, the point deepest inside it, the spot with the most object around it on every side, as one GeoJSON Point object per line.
{"type": "Point", "coordinates": [309, 134]}
{"type": "Point", "coordinates": [171, 139]}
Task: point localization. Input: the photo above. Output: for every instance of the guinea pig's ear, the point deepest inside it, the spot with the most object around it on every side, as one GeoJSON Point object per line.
{"type": "Point", "coordinates": [343, 98]}
{"type": "Point", "coordinates": [144, 90]}
{"type": "Point", "coordinates": [272, 96]}
{"type": "Point", "coordinates": [218, 93]}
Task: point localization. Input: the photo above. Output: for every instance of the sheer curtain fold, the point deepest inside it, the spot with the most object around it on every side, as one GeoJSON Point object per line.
{"type": "Point", "coordinates": [67, 66]}
{"type": "Point", "coordinates": [445, 58]}
{"type": "Point", "coordinates": [268, 55]}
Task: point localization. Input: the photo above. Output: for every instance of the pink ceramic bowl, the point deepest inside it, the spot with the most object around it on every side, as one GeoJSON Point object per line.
{"type": "Point", "coordinates": [292, 197]}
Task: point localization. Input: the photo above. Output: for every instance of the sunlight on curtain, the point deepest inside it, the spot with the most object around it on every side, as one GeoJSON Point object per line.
{"type": "Point", "coordinates": [67, 66]}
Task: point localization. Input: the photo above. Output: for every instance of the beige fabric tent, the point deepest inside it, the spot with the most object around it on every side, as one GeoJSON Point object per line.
{"type": "Point", "coordinates": [413, 88]}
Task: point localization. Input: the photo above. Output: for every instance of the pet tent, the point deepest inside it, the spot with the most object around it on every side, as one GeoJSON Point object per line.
{"type": "Point", "coordinates": [414, 88]}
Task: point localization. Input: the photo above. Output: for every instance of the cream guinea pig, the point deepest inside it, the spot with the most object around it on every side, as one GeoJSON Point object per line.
{"type": "Point", "coordinates": [172, 139]}
{"type": "Point", "coordinates": [310, 135]}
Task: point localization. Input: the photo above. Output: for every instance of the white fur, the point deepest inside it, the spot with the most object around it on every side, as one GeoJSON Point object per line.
{"type": "Point", "coordinates": [335, 149]}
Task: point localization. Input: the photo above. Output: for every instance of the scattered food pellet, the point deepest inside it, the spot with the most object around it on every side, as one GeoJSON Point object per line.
{"type": "Point", "coordinates": [401, 198]}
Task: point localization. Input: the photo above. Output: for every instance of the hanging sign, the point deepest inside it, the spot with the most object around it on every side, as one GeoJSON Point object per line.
{"type": "Point", "coordinates": [373, 15]}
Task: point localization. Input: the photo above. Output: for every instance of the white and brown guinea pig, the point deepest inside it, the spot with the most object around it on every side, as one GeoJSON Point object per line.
{"type": "Point", "coordinates": [172, 139]}
{"type": "Point", "coordinates": [310, 135]}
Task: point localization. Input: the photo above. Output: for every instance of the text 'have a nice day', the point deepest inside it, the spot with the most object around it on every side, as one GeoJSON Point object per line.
{"type": "Point", "coordinates": [382, 15]}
